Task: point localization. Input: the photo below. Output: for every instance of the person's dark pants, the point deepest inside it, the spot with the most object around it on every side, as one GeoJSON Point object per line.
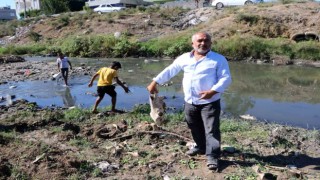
{"type": "Point", "coordinates": [204, 123]}
{"type": "Point", "coordinates": [64, 72]}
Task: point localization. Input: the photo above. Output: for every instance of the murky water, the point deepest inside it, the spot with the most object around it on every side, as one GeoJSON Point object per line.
{"type": "Point", "coordinates": [287, 95]}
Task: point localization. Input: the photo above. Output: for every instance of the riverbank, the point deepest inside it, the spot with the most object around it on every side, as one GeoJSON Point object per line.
{"type": "Point", "coordinates": [61, 143]}
{"type": "Point", "coordinates": [263, 31]}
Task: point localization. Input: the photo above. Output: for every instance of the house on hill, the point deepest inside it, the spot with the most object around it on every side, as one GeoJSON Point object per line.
{"type": "Point", "coordinates": [30, 5]}
{"type": "Point", "coordinates": [125, 3]}
{"type": "Point", "coordinates": [7, 14]}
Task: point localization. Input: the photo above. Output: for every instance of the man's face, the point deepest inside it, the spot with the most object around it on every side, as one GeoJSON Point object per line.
{"type": "Point", "coordinates": [201, 43]}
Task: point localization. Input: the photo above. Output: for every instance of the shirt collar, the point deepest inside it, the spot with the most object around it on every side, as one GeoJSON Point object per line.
{"type": "Point", "coordinates": [191, 55]}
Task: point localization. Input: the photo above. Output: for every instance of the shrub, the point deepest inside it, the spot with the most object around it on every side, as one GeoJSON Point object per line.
{"type": "Point", "coordinates": [307, 50]}
{"type": "Point", "coordinates": [178, 47]}
{"type": "Point", "coordinates": [64, 20]}
{"type": "Point", "coordinates": [22, 50]}
{"type": "Point", "coordinates": [247, 18]}
{"type": "Point", "coordinates": [243, 47]}
{"type": "Point", "coordinates": [31, 13]}
{"type": "Point", "coordinates": [34, 36]}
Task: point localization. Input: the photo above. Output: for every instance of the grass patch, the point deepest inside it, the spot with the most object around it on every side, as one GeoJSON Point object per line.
{"type": "Point", "coordinates": [80, 142]}
{"type": "Point", "coordinates": [243, 173]}
{"type": "Point", "coordinates": [76, 115]}
{"type": "Point", "coordinates": [234, 126]}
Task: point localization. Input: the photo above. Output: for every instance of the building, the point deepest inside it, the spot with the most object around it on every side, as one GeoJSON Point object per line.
{"type": "Point", "coordinates": [30, 5]}
{"type": "Point", "coordinates": [7, 14]}
{"type": "Point", "coordinates": [124, 3]}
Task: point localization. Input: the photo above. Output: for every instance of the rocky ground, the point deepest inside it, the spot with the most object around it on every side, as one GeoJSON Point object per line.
{"type": "Point", "coordinates": [15, 68]}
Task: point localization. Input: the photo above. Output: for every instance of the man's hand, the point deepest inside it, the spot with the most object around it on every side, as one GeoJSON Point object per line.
{"type": "Point", "coordinates": [152, 88]}
{"type": "Point", "coordinates": [126, 89]}
{"type": "Point", "coordinates": [90, 84]}
{"type": "Point", "coordinates": [207, 94]}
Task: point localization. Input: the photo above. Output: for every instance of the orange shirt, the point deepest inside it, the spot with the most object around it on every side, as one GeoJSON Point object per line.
{"type": "Point", "coordinates": [106, 76]}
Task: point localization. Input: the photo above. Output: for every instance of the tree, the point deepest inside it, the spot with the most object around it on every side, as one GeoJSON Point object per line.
{"type": "Point", "coordinates": [54, 6]}
{"type": "Point", "coordinates": [76, 5]}
{"type": "Point", "coordinates": [25, 9]}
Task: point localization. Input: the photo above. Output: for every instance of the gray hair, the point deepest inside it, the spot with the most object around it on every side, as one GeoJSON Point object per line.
{"type": "Point", "coordinates": [194, 35]}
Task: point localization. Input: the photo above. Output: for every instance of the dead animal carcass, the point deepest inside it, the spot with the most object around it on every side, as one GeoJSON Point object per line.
{"type": "Point", "coordinates": [158, 108]}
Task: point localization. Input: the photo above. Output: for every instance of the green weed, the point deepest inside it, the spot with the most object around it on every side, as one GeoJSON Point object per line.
{"type": "Point", "coordinates": [233, 125]}
{"type": "Point", "coordinates": [189, 163]}
{"type": "Point", "coordinates": [17, 173]}
{"type": "Point", "coordinates": [242, 174]}
{"type": "Point", "coordinates": [77, 114]}
{"type": "Point", "coordinates": [80, 142]}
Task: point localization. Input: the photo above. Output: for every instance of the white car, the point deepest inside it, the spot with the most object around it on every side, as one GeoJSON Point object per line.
{"type": "Point", "coordinates": [222, 3]}
{"type": "Point", "coordinates": [103, 8]}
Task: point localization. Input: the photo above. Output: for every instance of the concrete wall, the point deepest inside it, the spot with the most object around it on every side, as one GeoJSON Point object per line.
{"type": "Point", "coordinates": [30, 5]}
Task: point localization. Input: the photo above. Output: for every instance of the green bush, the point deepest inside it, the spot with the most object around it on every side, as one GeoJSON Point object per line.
{"type": "Point", "coordinates": [31, 13]}
{"type": "Point", "coordinates": [124, 48]}
{"type": "Point", "coordinates": [247, 18]}
{"type": "Point", "coordinates": [239, 48]}
{"type": "Point", "coordinates": [307, 50]}
{"type": "Point", "coordinates": [178, 47]}
{"type": "Point", "coordinates": [34, 36]}
{"type": "Point", "coordinates": [22, 50]}
{"type": "Point", "coordinates": [64, 20]}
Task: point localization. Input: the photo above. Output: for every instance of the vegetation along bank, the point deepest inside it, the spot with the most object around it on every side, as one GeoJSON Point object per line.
{"type": "Point", "coordinates": [263, 31]}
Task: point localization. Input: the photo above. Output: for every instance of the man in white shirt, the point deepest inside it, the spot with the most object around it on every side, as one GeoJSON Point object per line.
{"type": "Point", "coordinates": [63, 66]}
{"type": "Point", "coordinates": [206, 77]}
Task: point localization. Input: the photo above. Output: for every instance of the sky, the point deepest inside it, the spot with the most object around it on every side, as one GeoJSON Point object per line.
{"type": "Point", "coordinates": [7, 2]}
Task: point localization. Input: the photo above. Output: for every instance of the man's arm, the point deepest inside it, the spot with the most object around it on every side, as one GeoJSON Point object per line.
{"type": "Point", "coordinates": [58, 63]}
{"type": "Point", "coordinates": [92, 79]}
{"type": "Point", "coordinates": [126, 89]}
{"type": "Point", "coordinates": [70, 64]}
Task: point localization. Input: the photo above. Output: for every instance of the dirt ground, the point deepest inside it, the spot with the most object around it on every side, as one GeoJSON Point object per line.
{"type": "Point", "coordinates": [37, 143]}
{"type": "Point", "coordinates": [40, 143]}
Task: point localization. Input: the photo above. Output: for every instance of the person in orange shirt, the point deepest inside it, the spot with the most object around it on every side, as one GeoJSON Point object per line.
{"type": "Point", "coordinates": [106, 76]}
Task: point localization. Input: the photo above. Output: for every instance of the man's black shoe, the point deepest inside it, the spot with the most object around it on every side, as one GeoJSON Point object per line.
{"type": "Point", "coordinates": [212, 163]}
{"type": "Point", "coordinates": [195, 151]}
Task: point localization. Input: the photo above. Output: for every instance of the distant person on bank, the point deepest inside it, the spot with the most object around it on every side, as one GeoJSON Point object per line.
{"type": "Point", "coordinates": [106, 76]}
{"type": "Point", "coordinates": [206, 77]}
{"type": "Point", "coordinates": [63, 66]}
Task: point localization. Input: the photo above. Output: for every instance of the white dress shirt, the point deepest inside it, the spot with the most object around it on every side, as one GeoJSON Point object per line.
{"type": "Point", "coordinates": [209, 73]}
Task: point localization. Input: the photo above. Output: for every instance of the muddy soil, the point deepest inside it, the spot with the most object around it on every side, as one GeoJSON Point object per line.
{"type": "Point", "coordinates": [48, 144]}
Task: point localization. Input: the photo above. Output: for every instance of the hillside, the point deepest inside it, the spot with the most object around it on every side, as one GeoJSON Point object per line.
{"type": "Point", "coordinates": [262, 20]}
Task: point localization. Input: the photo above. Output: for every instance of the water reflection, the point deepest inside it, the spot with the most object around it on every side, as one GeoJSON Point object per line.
{"type": "Point", "coordinates": [237, 104]}
{"type": "Point", "coordinates": [285, 94]}
{"type": "Point", "coordinates": [68, 100]}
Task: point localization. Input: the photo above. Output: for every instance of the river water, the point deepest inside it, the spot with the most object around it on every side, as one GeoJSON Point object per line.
{"type": "Point", "coordinates": [283, 94]}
